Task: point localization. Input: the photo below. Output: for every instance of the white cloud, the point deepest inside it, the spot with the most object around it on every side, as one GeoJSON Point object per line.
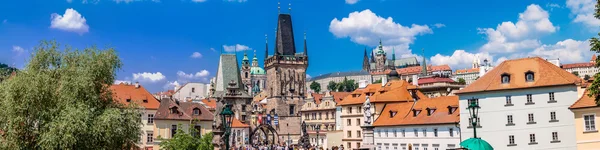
{"type": "Point", "coordinates": [213, 49]}
{"type": "Point", "coordinates": [510, 37]}
{"type": "Point", "coordinates": [69, 1]}
{"type": "Point", "coordinates": [18, 50]}
{"type": "Point", "coordinates": [460, 59]}
{"type": "Point", "coordinates": [439, 25]}
{"type": "Point", "coordinates": [122, 81]}
{"type": "Point", "coordinates": [198, 1]}
{"type": "Point", "coordinates": [367, 28]}
{"type": "Point", "coordinates": [308, 76]}
{"type": "Point", "coordinates": [148, 77]}
{"type": "Point", "coordinates": [552, 6]}
{"type": "Point", "coordinates": [171, 85]}
{"type": "Point", "coordinates": [182, 76]}
{"type": "Point", "coordinates": [584, 12]}
{"type": "Point", "coordinates": [351, 1]}
{"type": "Point", "coordinates": [239, 1]}
{"type": "Point", "coordinates": [568, 51]}
{"type": "Point", "coordinates": [129, 1]}
{"type": "Point", "coordinates": [237, 47]}
{"type": "Point", "coordinates": [196, 55]}
{"type": "Point", "coordinates": [71, 21]}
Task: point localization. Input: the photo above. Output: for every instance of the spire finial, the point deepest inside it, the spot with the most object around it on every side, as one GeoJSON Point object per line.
{"type": "Point", "coordinates": [304, 35]}
{"type": "Point", "coordinates": [290, 7]}
{"type": "Point", "coordinates": [278, 7]}
{"type": "Point", "coordinates": [266, 38]}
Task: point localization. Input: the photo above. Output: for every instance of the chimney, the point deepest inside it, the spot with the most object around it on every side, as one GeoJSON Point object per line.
{"type": "Point", "coordinates": [383, 80]}
{"type": "Point", "coordinates": [137, 85]}
{"type": "Point", "coordinates": [415, 80]}
{"type": "Point", "coordinates": [362, 84]}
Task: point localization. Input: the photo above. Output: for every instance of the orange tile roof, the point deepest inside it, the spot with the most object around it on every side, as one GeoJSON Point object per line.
{"type": "Point", "coordinates": [585, 101]}
{"type": "Point", "coordinates": [260, 96]}
{"type": "Point", "coordinates": [577, 65]}
{"type": "Point", "coordinates": [122, 92]}
{"type": "Point", "coordinates": [337, 96]}
{"type": "Point", "coordinates": [467, 70]}
{"type": "Point", "coordinates": [393, 91]}
{"type": "Point", "coordinates": [238, 124]}
{"type": "Point", "coordinates": [545, 74]}
{"type": "Point", "coordinates": [414, 70]}
{"type": "Point", "coordinates": [593, 58]}
{"type": "Point", "coordinates": [404, 114]}
{"type": "Point", "coordinates": [434, 80]}
{"type": "Point", "coordinates": [210, 102]}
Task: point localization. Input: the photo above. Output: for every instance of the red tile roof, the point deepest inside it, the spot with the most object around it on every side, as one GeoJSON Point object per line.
{"type": "Point", "coordinates": [210, 102]}
{"type": "Point", "coordinates": [393, 91]}
{"type": "Point", "coordinates": [337, 96]}
{"type": "Point", "coordinates": [415, 70]}
{"type": "Point", "coordinates": [585, 101]}
{"type": "Point", "coordinates": [405, 114]}
{"type": "Point", "coordinates": [545, 74]}
{"type": "Point", "coordinates": [238, 124]}
{"type": "Point", "coordinates": [467, 70]}
{"type": "Point", "coordinates": [123, 92]}
{"type": "Point", "coordinates": [185, 111]}
{"type": "Point", "coordinates": [577, 65]}
{"type": "Point", "coordinates": [435, 80]}
{"type": "Point", "coordinates": [166, 93]}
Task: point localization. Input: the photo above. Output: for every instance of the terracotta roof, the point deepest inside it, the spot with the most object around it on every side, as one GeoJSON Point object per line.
{"type": "Point", "coordinates": [585, 102]}
{"type": "Point", "coordinates": [593, 58]}
{"type": "Point", "coordinates": [467, 70]}
{"type": "Point", "coordinates": [238, 124]}
{"type": "Point", "coordinates": [185, 111]}
{"type": "Point", "coordinates": [393, 91]}
{"type": "Point", "coordinates": [404, 114]}
{"type": "Point", "coordinates": [123, 92]}
{"type": "Point", "coordinates": [545, 74]}
{"type": "Point", "coordinates": [166, 93]}
{"type": "Point", "coordinates": [577, 65]}
{"type": "Point", "coordinates": [260, 96]}
{"type": "Point", "coordinates": [337, 96]}
{"type": "Point", "coordinates": [210, 102]}
{"type": "Point", "coordinates": [434, 80]}
{"type": "Point", "coordinates": [415, 70]}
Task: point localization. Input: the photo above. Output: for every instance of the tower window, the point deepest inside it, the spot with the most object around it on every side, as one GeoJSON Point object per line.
{"type": "Point", "coordinates": [245, 74]}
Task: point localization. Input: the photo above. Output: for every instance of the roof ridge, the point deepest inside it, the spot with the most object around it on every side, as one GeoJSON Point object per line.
{"type": "Point", "coordinates": [553, 68]}
{"type": "Point", "coordinates": [501, 66]}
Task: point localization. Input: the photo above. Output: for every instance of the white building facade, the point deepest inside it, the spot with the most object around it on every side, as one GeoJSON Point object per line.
{"type": "Point", "coordinates": [191, 91]}
{"type": "Point", "coordinates": [417, 137]}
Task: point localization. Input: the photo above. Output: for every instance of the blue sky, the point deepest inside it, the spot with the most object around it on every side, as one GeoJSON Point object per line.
{"type": "Point", "coordinates": [165, 41]}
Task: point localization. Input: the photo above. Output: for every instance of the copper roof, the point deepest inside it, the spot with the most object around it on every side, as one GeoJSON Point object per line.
{"type": "Point", "coordinates": [393, 91]}
{"type": "Point", "coordinates": [585, 101]}
{"type": "Point", "coordinates": [405, 116]}
{"type": "Point", "coordinates": [124, 92]}
{"type": "Point", "coordinates": [185, 111]}
{"type": "Point", "coordinates": [545, 74]}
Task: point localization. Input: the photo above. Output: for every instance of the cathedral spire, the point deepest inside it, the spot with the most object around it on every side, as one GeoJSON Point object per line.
{"type": "Point", "coordinates": [372, 57]}
{"type": "Point", "coordinates": [366, 65]}
{"type": "Point", "coordinates": [305, 48]}
{"type": "Point", "coordinates": [424, 66]}
{"type": "Point", "coordinates": [266, 47]}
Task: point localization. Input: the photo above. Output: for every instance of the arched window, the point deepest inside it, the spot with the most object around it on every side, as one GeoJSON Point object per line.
{"type": "Point", "coordinates": [196, 111]}
{"type": "Point", "coordinates": [245, 74]}
{"type": "Point", "coordinates": [529, 76]}
{"type": "Point", "coordinates": [505, 78]}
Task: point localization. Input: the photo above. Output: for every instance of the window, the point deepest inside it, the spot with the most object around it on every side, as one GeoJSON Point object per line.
{"type": "Point", "coordinates": [358, 134]}
{"type": "Point", "coordinates": [349, 110]}
{"type": "Point", "coordinates": [326, 116]}
{"type": "Point", "coordinates": [395, 133]}
{"type": "Point", "coordinates": [532, 139]}
{"type": "Point", "coordinates": [198, 131]}
{"type": "Point", "coordinates": [529, 99]}
{"type": "Point", "coordinates": [553, 116]}
{"type": "Point", "coordinates": [150, 118]}
{"type": "Point", "coordinates": [292, 110]}
{"type": "Point", "coordinates": [174, 110]}
{"type": "Point", "coordinates": [243, 108]}
{"type": "Point", "coordinates": [128, 100]}
{"type": "Point", "coordinates": [473, 100]}
{"type": "Point", "coordinates": [416, 112]}
{"type": "Point", "coordinates": [416, 133]}
{"type": "Point", "coordinates": [349, 134]}
{"type": "Point", "coordinates": [358, 144]}
{"type": "Point", "coordinates": [386, 133]}
{"type": "Point", "coordinates": [451, 131]}
{"type": "Point", "coordinates": [173, 130]}
{"type": "Point", "coordinates": [348, 122]}
{"type": "Point", "coordinates": [554, 136]}
{"type": "Point", "coordinates": [478, 122]}
{"type": "Point", "coordinates": [511, 140]}
{"type": "Point", "coordinates": [509, 119]}
{"type": "Point", "coordinates": [379, 133]}
{"type": "Point", "coordinates": [505, 78]}
{"type": "Point", "coordinates": [529, 76]}
{"type": "Point", "coordinates": [424, 132]}
{"type": "Point", "coordinates": [435, 134]}
{"type": "Point", "coordinates": [403, 133]}
{"type": "Point", "coordinates": [193, 90]}
{"type": "Point", "coordinates": [149, 138]}
{"type": "Point", "coordinates": [589, 122]}
{"type": "Point", "coordinates": [357, 121]}
{"type": "Point", "coordinates": [359, 109]}
{"type": "Point", "coordinates": [145, 101]}
{"type": "Point", "coordinates": [245, 74]}
{"type": "Point", "coordinates": [508, 100]}
{"type": "Point", "coordinates": [349, 145]}
{"type": "Point", "coordinates": [196, 111]}
{"type": "Point", "coordinates": [320, 116]}
{"type": "Point", "coordinates": [551, 96]}
{"type": "Point", "coordinates": [530, 119]}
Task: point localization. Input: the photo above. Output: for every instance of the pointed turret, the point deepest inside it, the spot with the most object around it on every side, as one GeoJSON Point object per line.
{"type": "Point", "coordinates": [305, 48]}
{"type": "Point", "coordinates": [372, 57]}
{"type": "Point", "coordinates": [424, 66]}
{"type": "Point", "coordinates": [245, 60]}
{"type": "Point", "coordinates": [380, 48]}
{"type": "Point", "coordinates": [393, 63]}
{"type": "Point", "coordinates": [266, 47]}
{"type": "Point", "coordinates": [284, 39]}
{"type": "Point", "coordinates": [254, 60]}
{"type": "Point", "coordinates": [366, 64]}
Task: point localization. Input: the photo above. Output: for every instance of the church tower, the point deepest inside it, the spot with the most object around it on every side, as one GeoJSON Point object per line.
{"type": "Point", "coordinates": [380, 58]}
{"type": "Point", "coordinates": [246, 71]}
{"type": "Point", "coordinates": [366, 65]}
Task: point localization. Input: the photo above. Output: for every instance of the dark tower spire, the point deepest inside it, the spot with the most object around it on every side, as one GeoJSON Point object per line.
{"type": "Point", "coordinates": [266, 47]}
{"type": "Point", "coordinates": [424, 69]}
{"type": "Point", "coordinates": [366, 65]}
{"type": "Point", "coordinates": [305, 48]}
{"type": "Point", "coordinates": [372, 57]}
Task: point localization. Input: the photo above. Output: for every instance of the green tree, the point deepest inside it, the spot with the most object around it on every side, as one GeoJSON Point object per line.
{"type": "Point", "coordinates": [6, 71]}
{"type": "Point", "coordinates": [586, 77]}
{"type": "Point", "coordinates": [185, 141]}
{"type": "Point", "coordinates": [340, 87]}
{"type": "Point", "coordinates": [61, 100]}
{"type": "Point", "coordinates": [349, 85]}
{"type": "Point", "coordinates": [575, 73]}
{"type": "Point", "coordinates": [315, 86]}
{"type": "Point", "coordinates": [462, 81]}
{"type": "Point", "coordinates": [377, 81]}
{"type": "Point", "coordinates": [332, 86]}
{"type": "Point", "coordinates": [595, 47]}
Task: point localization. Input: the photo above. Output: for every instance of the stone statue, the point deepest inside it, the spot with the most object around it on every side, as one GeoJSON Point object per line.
{"type": "Point", "coordinates": [304, 140]}
{"type": "Point", "coordinates": [367, 111]}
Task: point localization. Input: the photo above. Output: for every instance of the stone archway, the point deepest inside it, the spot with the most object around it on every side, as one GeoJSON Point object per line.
{"type": "Point", "coordinates": [268, 132]}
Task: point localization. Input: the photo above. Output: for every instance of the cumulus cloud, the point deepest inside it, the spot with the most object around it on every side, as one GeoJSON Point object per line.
{"type": "Point", "coordinates": [439, 25]}
{"type": "Point", "coordinates": [171, 85]}
{"type": "Point", "coordinates": [148, 77]}
{"type": "Point", "coordinates": [184, 77]}
{"type": "Point", "coordinates": [351, 2]}
{"type": "Point", "coordinates": [583, 10]}
{"type": "Point", "coordinates": [568, 51]}
{"type": "Point", "coordinates": [71, 21]}
{"type": "Point", "coordinates": [367, 28]}
{"type": "Point", "coordinates": [552, 6]}
{"type": "Point", "coordinates": [510, 37]}
{"type": "Point", "coordinates": [239, 1]}
{"type": "Point", "coordinates": [198, 1]}
{"type": "Point", "coordinates": [460, 59]}
{"type": "Point", "coordinates": [236, 47]}
{"type": "Point", "coordinates": [196, 55]}
{"type": "Point", "coordinates": [122, 81]}
{"type": "Point", "coordinates": [18, 50]}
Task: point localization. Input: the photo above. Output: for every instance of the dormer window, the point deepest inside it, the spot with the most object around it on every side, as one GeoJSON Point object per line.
{"type": "Point", "coordinates": [145, 101]}
{"type": "Point", "coordinates": [174, 110]}
{"type": "Point", "coordinates": [416, 112]}
{"type": "Point", "coordinates": [196, 111]}
{"type": "Point", "coordinates": [128, 100]}
{"type": "Point", "coordinates": [451, 110]}
{"type": "Point", "coordinates": [505, 78]}
{"type": "Point", "coordinates": [393, 113]}
{"type": "Point", "coordinates": [430, 111]}
{"type": "Point", "coordinates": [529, 76]}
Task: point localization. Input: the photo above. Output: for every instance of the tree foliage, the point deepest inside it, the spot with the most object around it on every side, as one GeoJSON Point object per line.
{"type": "Point", "coordinates": [595, 47]}
{"type": "Point", "coordinates": [462, 81]}
{"type": "Point", "coordinates": [586, 77]}
{"type": "Point", "coordinates": [61, 100]}
{"type": "Point", "coordinates": [6, 71]}
{"type": "Point", "coordinates": [332, 86]}
{"type": "Point", "coordinates": [377, 81]}
{"type": "Point", "coordinates": [575, 73]}
{"type": "Point", "coordinates": [186, 141]}
{"type": "Point", "coordinates": [315, 86]}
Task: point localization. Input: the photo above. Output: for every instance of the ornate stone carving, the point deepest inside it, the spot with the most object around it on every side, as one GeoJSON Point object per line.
{"type": "Point", "coordinates": [367, 111]}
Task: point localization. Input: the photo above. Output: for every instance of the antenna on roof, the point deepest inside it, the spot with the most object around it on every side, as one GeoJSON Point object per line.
{"type": "Point", "coordinates": [278, 7]}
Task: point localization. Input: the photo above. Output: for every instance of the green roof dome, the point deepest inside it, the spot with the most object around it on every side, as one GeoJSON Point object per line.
{"type": "Point", "coordinates": [380, 49]}
{"type": "Point", "coordinates": [257, 71]}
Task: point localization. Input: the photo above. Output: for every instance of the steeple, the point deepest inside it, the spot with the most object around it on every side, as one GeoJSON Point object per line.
{"type": "Point", "coordinates": [284, 38]}
{"type": "Point", "coordinates": [254, 60]}
{"type": "Point", "coordinates": [245, 59]}
{"type": "Point", "coordinates": [305, 48]}
{"type": "Point", "coordinates": [393, 63]}
{"type": "Point", "coordinates": [424, 65]}
{"type": "Point", "coordinates": [380, 48]}
{"type": "Point", "coordinates": [266, 47]}
{"type": "Point", "coordinates": [372, 57]}
{"type": "Point", "coordinates": [366, 65]}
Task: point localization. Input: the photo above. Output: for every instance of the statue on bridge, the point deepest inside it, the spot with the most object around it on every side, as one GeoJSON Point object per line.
{"type": "Point", "coordinates": [304, 141]}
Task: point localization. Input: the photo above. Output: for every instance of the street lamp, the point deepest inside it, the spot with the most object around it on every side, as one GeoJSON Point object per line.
{"type": "Point", "coordinates": [226, 120]}
{"type": "Point", "coordinates": [318, 128]}
{"type": "Point", "coordinates": [474, 111]}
